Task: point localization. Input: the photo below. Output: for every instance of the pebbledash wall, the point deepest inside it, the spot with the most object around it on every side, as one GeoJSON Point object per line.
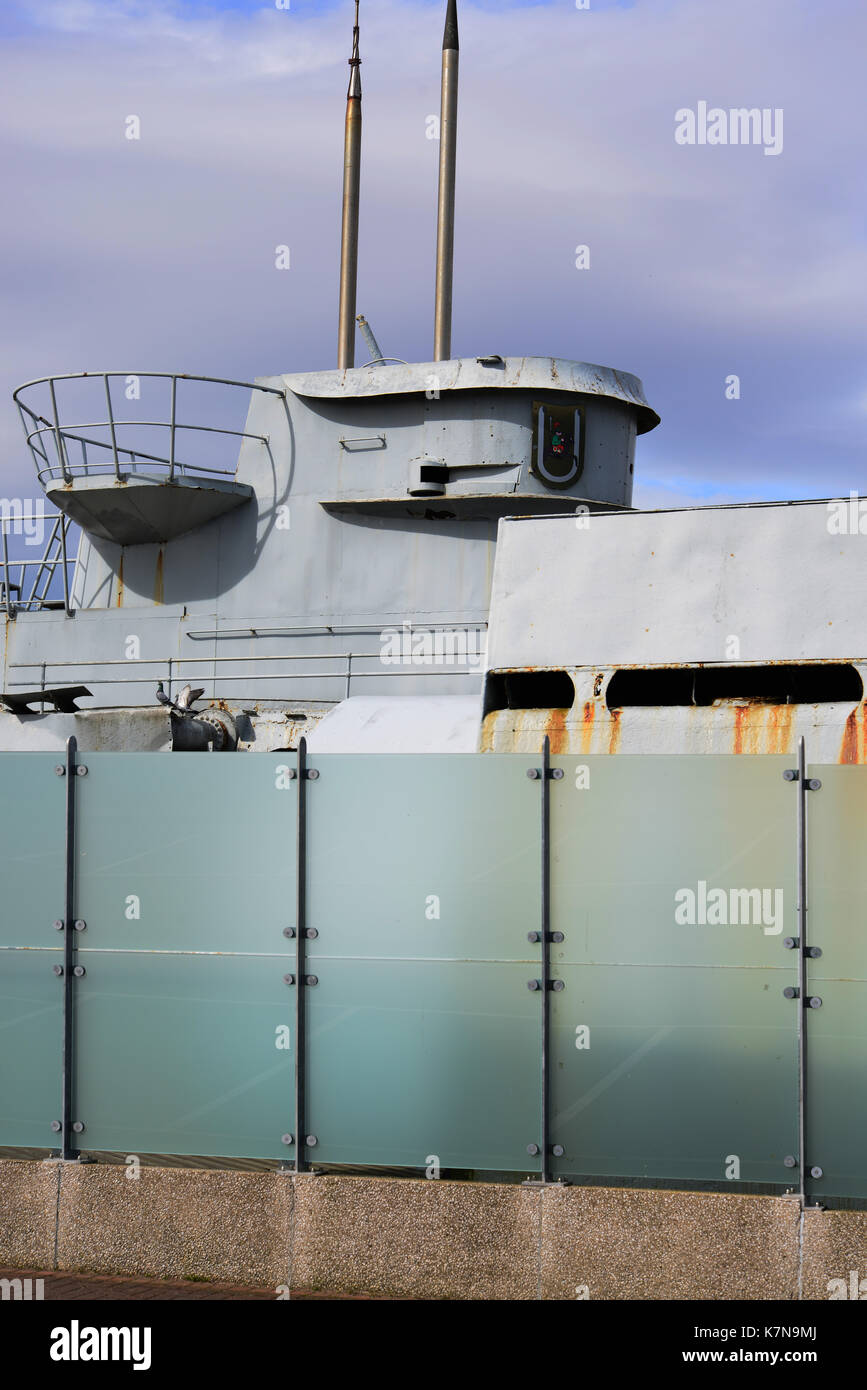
{"type": "Point", "coordinates": [452, 966]}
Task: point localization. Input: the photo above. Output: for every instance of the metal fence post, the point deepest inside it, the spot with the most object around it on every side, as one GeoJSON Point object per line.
{"type": "Point", "coordinates": [303, 981]}
{"type": "Point", "coordinates": [67, 1150]}
{"type": "Point", "coordinates": [800, 943]}
{"type": "Point", "coordinates": [545, 984]}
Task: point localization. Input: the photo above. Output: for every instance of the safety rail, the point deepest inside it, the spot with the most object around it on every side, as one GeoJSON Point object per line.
{"type": "Point", "coordinates": [169, 669]}
{"type": "Point", "coordinates": [55, 558]}
{"type": "Point", "coordinates": [41, 432]}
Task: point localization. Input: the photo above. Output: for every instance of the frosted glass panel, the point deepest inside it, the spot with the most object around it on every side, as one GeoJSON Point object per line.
{"type": "Point", "coordinates": [185, 1054]}
{"type": "Point", "coordinates": [673, 883]}
{"type": "Point", "coordinates": [424, 878]}
{"type": "Point", "coordinates": [837, 1032]}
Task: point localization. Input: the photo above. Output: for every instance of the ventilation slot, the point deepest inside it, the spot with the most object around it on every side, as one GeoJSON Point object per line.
{"type": "Point", "coordinates": [761, 685]}
{"type": "Point", "coordinates": [529, 690]}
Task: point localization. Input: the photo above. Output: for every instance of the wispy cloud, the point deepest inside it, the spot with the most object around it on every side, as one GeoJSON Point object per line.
{"type": "Point", "coordinates": [705, 262]}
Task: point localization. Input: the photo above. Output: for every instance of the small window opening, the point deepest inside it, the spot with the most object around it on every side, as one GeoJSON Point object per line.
{"type": "Point", "coordinates": [819, 683]}
{"type": "Point", "coordinates": [529, 690]}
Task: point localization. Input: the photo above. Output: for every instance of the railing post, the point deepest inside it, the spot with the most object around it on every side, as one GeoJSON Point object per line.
{"type": "Point", "coordinates": [58, 439]}
{"type": "Point", "coordinates": [111, 426]}
{"type": "Point", "coordinates": [172, 429]}
{"type": "Point", "coordinates": [6, 567]}
{"type": "Point", "coordinates": [67, 603]}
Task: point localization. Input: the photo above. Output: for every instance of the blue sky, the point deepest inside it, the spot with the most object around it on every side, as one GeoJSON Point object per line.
{"type": "Point", "coordinates": [705, 261]}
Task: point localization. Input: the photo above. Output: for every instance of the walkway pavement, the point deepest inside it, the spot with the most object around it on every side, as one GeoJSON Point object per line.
{"type": "Point", "coordinates": [88, 1288]}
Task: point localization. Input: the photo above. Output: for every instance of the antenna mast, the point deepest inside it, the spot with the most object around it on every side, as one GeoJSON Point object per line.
{"type": "Point", "coordinates": [446, 209]}
{"type": "Point", "coordinates": [351, 197]}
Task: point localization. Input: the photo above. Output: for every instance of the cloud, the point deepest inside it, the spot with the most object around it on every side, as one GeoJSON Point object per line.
{"type": "Point", "coordinates": [704, 261]}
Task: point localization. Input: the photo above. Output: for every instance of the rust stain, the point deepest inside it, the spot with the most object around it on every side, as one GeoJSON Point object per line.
{"type": "Point", "coordinates": [614, 731]}
{"type": "Point", "coordinates": [587, 726]}
{"type": "Point", "coordinates": [487, 740]}
{"type": "Point", "coordinates": [742, 715]}
{"type": "Point", "coordinates": [849, 747]}
{"type": "Point", "coordinates": [555, 728]}
{"type": "Point", "coordinates": [783, 715]}
{"type": "Point", "coordinates": [120, 581]}
{"type": "Point", "coordinates": [763, 729]}
{"type": "Point", "coordinates": [158, 577]}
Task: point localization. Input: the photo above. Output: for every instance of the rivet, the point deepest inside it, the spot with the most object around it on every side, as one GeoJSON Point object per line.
{"type": "Point", "coordinates": [60, 771]}
{"type": "Point", "coordinates": [790, 942]}
{"type": "Point", "coordinates": [532, 1150]}
{"type": "Point", "coordinates": [288, 979]}
{"type": "Point", "coordinates": [815, 1002]}
{"type": "Point", "coordinates": [58, 969]}
{"type": "Point", "coordinates": [557, 936]}
{"type": "Point", "coordinates": [58, 926]}
{"type": "Point", "coordinates": [790, 1161]}
{"type": "Point", "coordinates": [531, 984]}
{"type": "Point", "coordinates": [532, 773]}
{"type": "Point", "coordinates": [790, 992]}
{"type": "Point", "coordinates": [557, 773]}
{"type": "Point", "coordinates": [81, 770]}
{"type": "Point", "coordinates": [56, 1126]}
{"type": "Point", "coordinates": [814, 784]}
{"type": "Point", "coordinates": [790, 775]}
{"type": "Point", "coordinates": [79, 970]}
{"type": "Point", "coordinates": [531, 935]}
{"type": "Point", "coordinates": [312, 773]}
{"type": "Point", "coordinates": [80, 925]}
{"type": "Point", "coordinates": [557, 985]}
{"type": "Point", "coordinates": [311, 979]}
{"type": "Point", "coordinates": [311, 933]}
{"type": "Point", "coordinates": [287, 1139]}
{"type": "Point", "coordinates": [77, 1127]}
{"type": "Point", "coordinates": [817, 1172]}
{"type": "Point", "coordinates": [558, 1151]}
{"type": "Point", "coordinates": [290, 932]}
{"type": "Point", "coordinates": [311, 1141]}
{"type": "Point", "coordinates": [814, 951]}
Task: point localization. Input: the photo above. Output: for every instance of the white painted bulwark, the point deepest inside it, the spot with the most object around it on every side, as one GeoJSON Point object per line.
{"type": "Point", "coordinates": [757, 583]}
{"type": "Point", "coordinates": [402, 724]}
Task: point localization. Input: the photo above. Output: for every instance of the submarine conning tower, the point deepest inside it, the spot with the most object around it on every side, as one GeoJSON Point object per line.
{"type": "Point", "coordinates": [363, 500]}
{"type": "Point", "coordinates": [341, 556]}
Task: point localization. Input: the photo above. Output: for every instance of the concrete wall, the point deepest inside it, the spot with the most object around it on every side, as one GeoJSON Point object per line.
{"type": "Point", "coordinates": [413, 1238]}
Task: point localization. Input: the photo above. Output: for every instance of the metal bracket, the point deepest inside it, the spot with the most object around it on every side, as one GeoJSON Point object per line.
{"type": "Point", "coordinates": [378, 441]}
{"type": "Point", "coordinates": [811, 784]}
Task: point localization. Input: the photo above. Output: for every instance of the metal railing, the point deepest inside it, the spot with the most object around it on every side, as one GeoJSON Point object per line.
{"type": "Point", "coordinates": [43, 433]}
{"type": "Point", "coordinates": [50, 588]}
{"type": "Point", "coordinates": [172, 671]}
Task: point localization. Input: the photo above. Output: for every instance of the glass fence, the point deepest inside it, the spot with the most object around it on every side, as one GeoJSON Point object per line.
{"type": "Point", "coordinates": [395, 909]}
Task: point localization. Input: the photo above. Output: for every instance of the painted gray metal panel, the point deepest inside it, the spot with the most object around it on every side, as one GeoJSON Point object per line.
{"type": "Point", "coordinates": [469, 373]}
{"type": "Point", "coordinates": [645, 588]}
{"type": "Point", "coordinates": [286, 562]}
